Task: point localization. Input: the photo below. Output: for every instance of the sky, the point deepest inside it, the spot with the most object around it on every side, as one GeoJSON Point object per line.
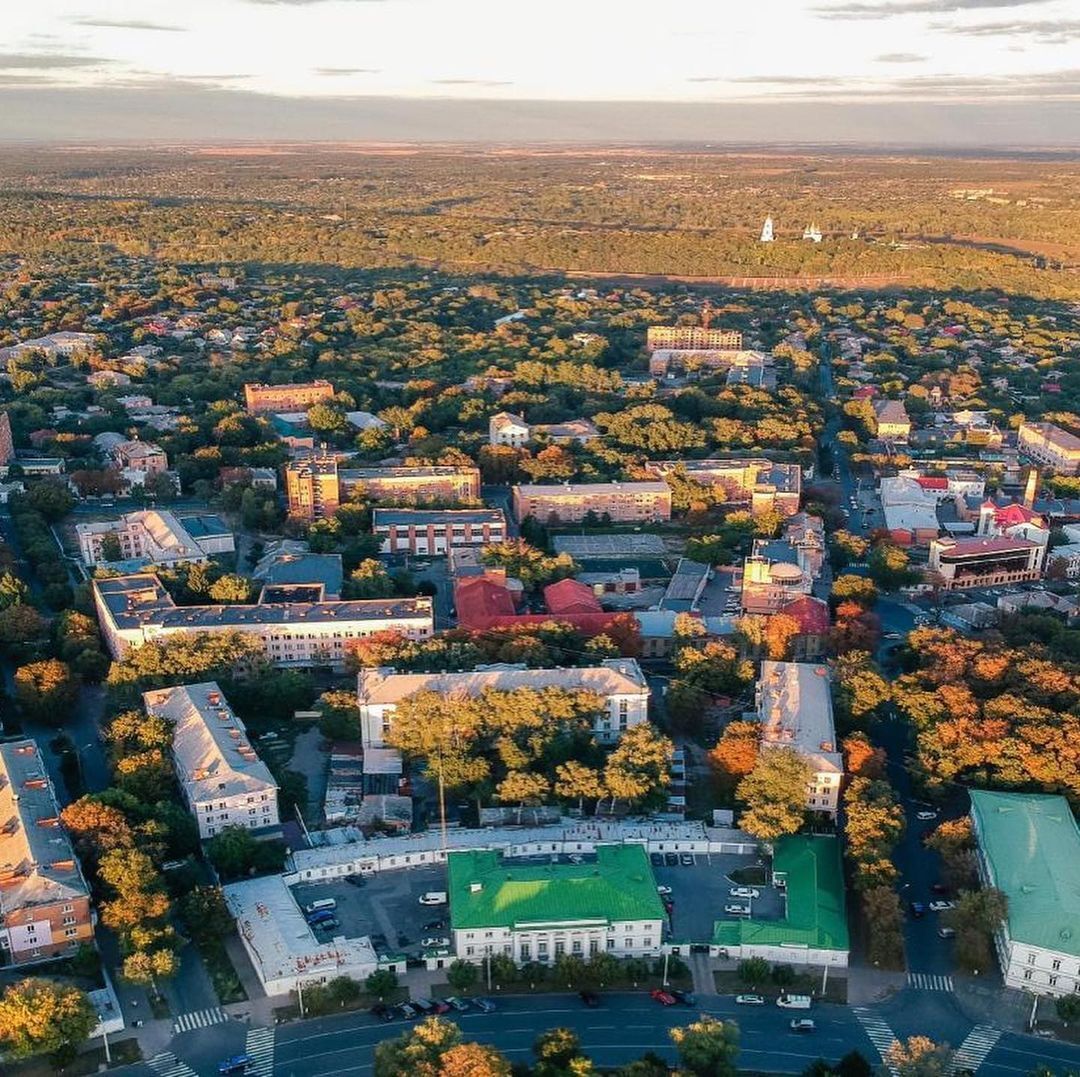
{"type": "Point", "coordinates": [964, 72]}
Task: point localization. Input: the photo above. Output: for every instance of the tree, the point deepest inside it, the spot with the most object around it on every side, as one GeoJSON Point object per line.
{"type": "Point", "coordinates": [461, 975]}
{"type": "Point", "coordinates": [884, 919]}
{"type": "Point", "coordinates": [602, 969]}
{"type": "Point", "coordinates": [1068, 1008]}
{"type": "Point", "coordinates": [146, 967]}
{"type": "Point", "coordinates": [521, 786]}
{"type": "Point", "coordinates": [753, 971]}
{"type": "Point", "coordinates": [736, 752]}
{"type": "Point", "coordinates": [861, 758]}
{"type": "Point", "coordinates": [556, 1048]}
{"type": "Point", "coordinates": [854, 589]}
{"type": "Point", "coordinates": [638, 768]}
{"type": "Point", "coordinates": [39, 1016]}
{"type": "Point", "coordinates": [919, 1057]}
{"type": "Point", "coordinates": [417, 1052]}
{"type": "Point", "coordinates": [13, 592]}
{"type": "Point", "coordinates": [708, 1047]}
{"type": "Point", "coordinates": [889, 567]}
{"type": "Point", "coordinates": [231, 588]}
{"type": "Point", "coordinates": [473, 1060]}
{"type": "Point", "coordinates": [853, 1064]}
{"type": "Point", "coordinates": [874, 823]}
{"type": "Point", "coordinates": [205, 914]}
{"type": "Point", "coordinates": [235, 852]}
{"type": "Point", "coordinates": [775, 794]}
{"type": "Point", "coordinates": [576, 781]}
{"type": "Point", "coordinates": [781, 631]}
{"type": "Point", "coordinates": [570, 970]}
{"type": "Point", "coordinates": [381, 982]}
{"type": "Point", "coordinates": [369, 580]}
{"type": "Point", "coordinates": [46, 691]}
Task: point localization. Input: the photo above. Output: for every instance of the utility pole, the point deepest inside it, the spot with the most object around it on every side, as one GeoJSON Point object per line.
{"type": "Point", "coordinates": [487, 961]}
{"type": "Point", "coordinates": [105, 1041]}
{"type": "Point", "coordinates": [824, 980]}
{"type": "Point", "coordinates": [300, 995]}
{"type": "Point", "coordinates": [666, 956]}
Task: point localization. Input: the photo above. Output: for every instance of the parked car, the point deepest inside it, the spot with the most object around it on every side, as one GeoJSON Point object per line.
{"type": "Point", "coordinates": [460, 1005]}
{"type": "Point", "coordinates": [355, 880]}
{"type": "Point", "coordinates": [744, 892]}
{"type": "Point", "coordinates": [941, 906]}
{"type": "Point", "coordinates": [684, 998]}
{"type": "Point", "coordinates": [687, 860]}
{"type": "Point", "coordinates": [925, 816]}
{"type": "Point", "coordinates": [802, 1024]}
{"type": "Point", "coordinates": [424, 1005]}
{"type": "Point", "coordinates": [434, 925]}
{"type": "Point", "coordinates": [663, 891]}
{"type": "Point", "coordinates": [321, 917]}
{"type": "Point", "coordinates": [656, 859]}
{"type": "Point", "coordinates": [917, 908]}
{"type": "Point", "coordinates": [946, 933]}
{"type": "Point", "coordinates": [434, 942]}
{"type": "Point", "coordinates": [433, 897]}
{"type": "Point", "coordinates": [382, 1012]}
{"type": "Point", "coordinates": [671, 859]}
{"type": "Point", "coordinates": [326, 925]}
{"type": "Point", "coordinates": [322, 905]}
{"type": "Point", "coordinates": [439, 1006]}
{"type": "Point", "coordinates": [484, 1005]}
{"type": "Point", "coordinates": [737, 910]}
{"type": "Point", "coordinates": [590, 998]}
{"type": "Point", "coordinates": [408, 1011]}
{"type": "Point", "coordinates": [750, 1000]}
{"type": "Point", "coordinates": [662, 997]}
{"type": "Point", "coordinates": [576, 858]}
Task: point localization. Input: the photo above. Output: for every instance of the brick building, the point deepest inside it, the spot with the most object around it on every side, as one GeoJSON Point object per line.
{"type": "Point", "coordinates": [621, 501]}
{"type": "Point", "coordinates": [261, 399]}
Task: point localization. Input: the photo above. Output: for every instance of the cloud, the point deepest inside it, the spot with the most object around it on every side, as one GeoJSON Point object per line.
{"type": "Point", "coordinates": [469, 82]}
{"type": "Point", "coordinates": [1047, 86]}
{"type": "Point", "coordinates": [1043, 31]}
{"type": "Point", "coordinates": [347, 70]}
{"type": "Point", "coordinates": [129, 24]}
{"type": "Point", "coordinates": [900, 58]}
{"type": "Point", "coordinates": [788, 80]}
{"type": "Point", "coordinates": [304, 3]}
{"type": "Point", "coordinates": [47, 60]}
{"type": "Point", "coordinates": [868, 9]}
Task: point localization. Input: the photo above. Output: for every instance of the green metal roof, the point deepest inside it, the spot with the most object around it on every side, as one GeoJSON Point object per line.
{"type": "Point", "coordinates": [1031, 845]}
{"type": "Point", "coordinates": [484, 892]}
{"type": "Point", "coordinates": [816, 915]}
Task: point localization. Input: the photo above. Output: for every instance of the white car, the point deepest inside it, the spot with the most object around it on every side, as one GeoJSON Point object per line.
{"type": "Point", "coordinates": [737, 910]}
{"type": "Point", "coordinates": [750, 1000]}
{"type": "Point", "coordinates": [433, 897]}
{"type": "Point", "coordinates": [663, 891]}
{"type": "Point", "coordinates": [744, 892]}
{"type": "Point", "coordinates": [434, 942]}
{"type": "Point", "coordinates": [941, 906]}
{"type": "Point", "coordinates": [925, 816]}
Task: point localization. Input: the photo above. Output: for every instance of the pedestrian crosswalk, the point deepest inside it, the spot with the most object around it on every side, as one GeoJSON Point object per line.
{"type": "Point", "coordinates": [877, 1031]}
{"type": "Point", "coordinates": [167, 1064]}
{"type": "Point", "coordinates": [929, 981]}
{"type": "Point", "coordinates": [978, 1043]}
{"type": "Point", "coordinates": [187, 1022]}
{"type": "Point", "coordinates": [260, 1046]}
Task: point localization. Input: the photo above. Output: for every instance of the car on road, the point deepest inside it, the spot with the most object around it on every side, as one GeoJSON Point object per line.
{"type": "Point", "coordinates": [750, 1000]}
{"type": "Point", "coordinates": [737, 910]}
{"type": "Point", "coordinates": [663, 891]}
{"type": "Point", "coordinates": [687, 860]}
{"type": "Point", "coordinates": [744, 892]}
{"type": "Point", "coordinates": [657, 995]}
{"type": "Point", "coordinates": [794, 1002]}
{"type": "Point", "coordinates": [671, 859]}
{"type": "Point", "coordinates": [424, 1005]}
{"type": "Point", "coordinates": [329, 924]}
{"type": "Point", "coordinates": [802, 1024]}
{"type": "Point", "coordinates": [434, 942]}
{"type": "Point", "coordinates": [235, 1064]}
{"type": "Point", "coordinates": [484, 1005]}
{"type": "Point", "coordinates": [460, 1005]}
{"type": "Point", "coordinates": [433, 897]}
{"type": "Point", "coordinates": [590, 998]}
{"type": "Point", "coordinates": [439, 1006]}
{"type": "Point", "coordinates": [893, 635]}
{"type": "Point", "coordinates": [408, 1011]}
{"type": "Point", "coordinates": [946, 932]}
{"type": "Point", "coordinates": [434, 925]}
{"type": "Point", "coordinates": [382, 1012]}
{"type": "Point", "coordinates": [656, 859]}
{"type": "Point", "coordinates": [917, 909]}
{"type": "Point", "coordinates": [684, 998]}
{"type": "Point", "coordinates": [925, 816]}
{"type": "Point", "coordinates": [941, 906]}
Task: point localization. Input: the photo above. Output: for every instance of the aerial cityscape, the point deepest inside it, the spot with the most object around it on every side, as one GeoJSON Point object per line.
{"type": "Point", "coordinates": [510, 572]}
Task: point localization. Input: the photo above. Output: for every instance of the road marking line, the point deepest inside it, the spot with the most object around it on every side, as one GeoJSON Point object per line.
{"type": "Point", "coordinates": [188, 1022]}
{"type": "Point", "coordinates": [260, 1046]}
{"type": "Point", "coordinates": [167, 1064]}
{"type": "Point", "coordinates": [978, 1043]}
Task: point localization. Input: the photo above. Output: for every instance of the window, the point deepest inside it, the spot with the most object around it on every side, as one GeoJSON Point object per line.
{"type": "Point", "coordinates": [469, 951]}
{"type": "Point", "coordinates": [71, 932]}
{"type": "Point", "coordinates": [646, 942]}
{"type": "Point", "coordinates": [628, 943]}
{"type": "Point", "coordinates": [560, 947]}
{"type": "Point", "coordinates": [611, 944]}
{"type": "Point", "coordinates": [542, 949]}
{"type": "Point", "coordinates": [68, 908]}
{"type": "Point", "coordinates": [576, 946]}
{"type": "Point", "coordinates": [1027, 974]}
{"type": "Point", "coordinates": [1055, 964]}
{"type": "Point", "coordinates": [594, 946]}
{"type": "Point", "coordinates": [69, 919]}
{"type": "Point", "coordinates": [1052, 981]}
{"type": "Point", "coordinates": [1031, 959]}
{"type": "Point", "coordinates": [526, 951]}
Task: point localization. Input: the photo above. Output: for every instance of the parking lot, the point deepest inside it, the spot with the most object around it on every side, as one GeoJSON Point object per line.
{"type": "Point", "coordinates": [701, 890]}
{"type": "Point", "coordinates": [385, 907]}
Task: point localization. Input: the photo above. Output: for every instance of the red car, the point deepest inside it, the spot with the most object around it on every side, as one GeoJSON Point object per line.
{"type": "Point", "coordinates": [662, 997]}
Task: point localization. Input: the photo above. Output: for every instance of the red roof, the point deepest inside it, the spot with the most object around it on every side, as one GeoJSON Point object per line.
{"type": "Point", "coordinates": [480, 600]}
{"type": "Point", "coordinates": [1014, 514]}
{"type": "Point", "coordinates": [987, 545]}
{"type": "Point", "coordinates": [932, 482]}
{"type": "Point", "coordinates": [811, 613]}
{"type": "Point", "coordinates": [569, 596]}
{"type": "Point", "coordinates": [865, 392]}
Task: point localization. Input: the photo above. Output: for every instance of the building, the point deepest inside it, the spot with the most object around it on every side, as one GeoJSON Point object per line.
{"type": "Point", "coordinates": [431, 532]}
{"type": "Point", "coordinates": [686, 586]}
{"type": "Point", "coordinates": [892, 420]}
{"type": "Point", "coordinates": [266, 399]}
{"type": "Point", "coordinates": [312, 487]}
{"type": "Point", "coordinates": [573, 430]}
{"type": "Point", "coordinates": [759, 484]}
{"type": "Point", "coordinates": [773, 577]}
{"type": "Point", "coordinates": [538, 912]}
{"type": "Point", "coordinates": [692, 337]}
{"type": "Point", "coordinates": [622, 502]}
{"type": "Point", "coordinates": [1029, 849]}
{"type": "Point", "coordinates": [1051, 446]}
{"type": "Point", "coordinates": [812, 616]}
{"type": "Point", "coordinates": [812, 233]}
{"type": "Point", "coordinates": [810, 874]}
{"type": "Point", "coordinates": [288, 563]}
{"type": "Point", "coordinates": [411, 485]}
{"type": "Point", "coordinates": [1012, 521]}
{"type": "Point", "coordinates": [767, 235]}
{"type": "Point", "coordinates": [297, 625]}
{"type": "Point", "coordinates": [611, 547]}
{"type": "Point", "coordinates": [909, 505]}
{"type": "Point", "coordinates": [805, 534]}
{"type": "Point", "coordinates": [283, 947]}
{"type": "Point", "coordinates": [1069, 557]}
{"type": "Point", "coordinates": [64, 344]}
{"type": "Point", "coordinates": [794, 707]}
{"type": "Point", "coordinates": [223, 780]}
{"type": "Point", "coordinates": [507, 429]}
{"type": "Point", "coordinates": [985, 562]}
{"type": "Point", "coordinates": [7, 442]}
{"type": "Point", "coordinates": [142, 457]}
{"type": "Point", "coordinates": [44, 899]}
{"type": "Point", "coordinates": [618, 680]}
{"type": "Point", "coordinates": [155, 537]}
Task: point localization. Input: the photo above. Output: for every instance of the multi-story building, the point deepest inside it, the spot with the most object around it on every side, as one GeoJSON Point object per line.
{"type": "Point", "coordinates": [296, 624]}
{"type": "Point", "coordinates": [507, 429]}
{"type": "Point", "coordinates": [573, 430]}
{"type": "Point", "coordinates": [431, 532]}
{"type": "Point", "coordinates": [223, 780]}
{"type": "Point", "coordinates": [760, 484]}
{"type": "Point", "coordinates": [44, 899]}
{"type": "Point", "coordinates": [140, 456]}
{"type": "Point", "coordinates": [606, 904]}
{"type": "Point", "coordinates": [1029, 848]}
{"type": "Point", "coordinates": [411, 485]}
{"type": "Point", "coordinates": [773, 577]}
{"type": "Point", "coordinates": [266, 399]}
{"type": "Point", "coordinates": [692, 337]}
{"type": "Point", "coordinates": [618, 680]}
{"type": "Point", "coordinates": [985, 562]}
{"type": "Point", "coordinates": [1051, 446]}
{"type": "Point", "coordinates": [155, 537]}
{"type": "Point", "coordinates": [893, 423]}
{"type": "Point", "coordinates": [312, 487]}
{"type": "Point", "coordinates": [7, 443]}
{"type": "Point", "coordinates": [794, 707]}
{"type": "Point", "coordinates": [623, 502]}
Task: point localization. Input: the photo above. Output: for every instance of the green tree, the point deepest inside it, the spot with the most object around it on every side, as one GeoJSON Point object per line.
{"type": "Point", "coordinates": [369, 580]}
{"type": "Point", "coordinates": [46, 691]}
{"type": "Point", "coordinates": [381, 982]}
{"type": "Point", "coordinates": [231, 588]}
{"type": "Point", "coordinates": [39, 1016]}
{"type": "Point", "coordinates": [556, 1048]}
{"type": "Point", "coordinates": [461, 975]}
{"type": "Point", "coordinates": [708, 1047]}
{"type": "Point", "coordinates": [570, 970]}
{"type": "Point", "coordinates": [205, 914]}
{"type": "Point", "coordinates": [1068, 1008]}
{"type": "Point", "coordinates": [775, 794]}
{"type": "Point", "coordinates": [576, 781]}
{"type": "Point", "coordinates": [858, 589]}
{"type": "Point", "coordinates": [889, 567]}
{"type": "Point", "coordinates": [235, 852]}
{"type": "Point", "coordinates": [753, 971]}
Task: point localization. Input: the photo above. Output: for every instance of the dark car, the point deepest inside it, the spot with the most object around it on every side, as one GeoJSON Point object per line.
{"type": "Point", "coordinates": [355, 880]}
{"type": "Point", "coordinates": [382, 1012]}
{"type": "Point", "coordinates": [236, 1064]}
{"type": "Point", "coordinates": [687, 998]}
{"type": "Point", "coordinates": [671, 859]}
{"type": "Point", "coordinates": [590, 998]}
{"type": "Point", "coordinates": [657, 859]}
{"type": "Point", "coordinates": [424, 1005]}
{"type": "Point", "coordinates": [939, 888]}
{"type": "Point", "coordinates": [918, 909]}
{"type": "Point", "coordinates": [434, 925]}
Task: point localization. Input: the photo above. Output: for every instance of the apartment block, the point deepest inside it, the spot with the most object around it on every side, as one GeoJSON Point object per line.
{"type": "Point", "coordinates": [44, 899]}
{"type": "Point", "coordinates": [262, 399]}
{"type": "Point", "coordinates": [432, 532]}
{"type": "Point", "coordinates": [312, 487]}
{"type": "Point", "coordinates": [794, 707]}
{"type": "Point", "coordinates": [411, 485]}
{"type": "Point", "coordinates": [296, 625]}
{"type": "Point", "coordinates": [155, 537]}
{"type": "Point", "coordinates": [696, 337]}
{"type": "Point", "coordinates": [893, 423]}
{"type": "Point", "coordinates": [985, 562]}
{"type": "Point", "coordinates": [619, 681]}
{"type": "Point", "coordinates": [1050, 446]}
{"type": "Point", "coordinates": [623, 502]}
{"type": "Point", "coordinates": [223, 780]}
{"type": "Point", "coordinates": [759, 484]}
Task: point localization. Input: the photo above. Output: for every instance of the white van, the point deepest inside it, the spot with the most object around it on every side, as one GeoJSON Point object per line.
{"type": "Point", "coordinates": [794, 1002]}
{"type": "Point", "coordinates": [318, 906]}
{"type": "Point", "coordinates": [433, 897]}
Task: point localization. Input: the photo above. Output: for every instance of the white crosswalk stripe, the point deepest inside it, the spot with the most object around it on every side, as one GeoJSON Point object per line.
{"type": "Point", "coordinates": [878, 1032]}
{"type": "Point", "coordinates": [167, 1064]}
{"type": "Point", "coordinates": [187, 1022]}
{"type": "Point", "coordinates": [929, 981]}
{"type": "Point", "coordinates": [260, 1046]}
{"type": "Point", "coordinates": [978, 1043]}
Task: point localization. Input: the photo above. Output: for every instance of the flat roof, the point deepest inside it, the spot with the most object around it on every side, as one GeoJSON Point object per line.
{"type": "Point", "coordinates": [485, 891]}
{"type": "Point", "coordinates": [585, 489]}
{"type": "Point", "coordinates": [785, 477]}
{"type": "Point", "coordinates": [610, 546]}
{"type": "Point", "coordinates": [366, 474]}
{"type": "Point", "coordinates": [1031, 845]}
{"type": "Point", "coordinates": [1062, 439]}
{"type": "Point", "coordinates": [205, 526]}
{"type": "Point", "coordinates": [286, 567]}
{"type": "Point", "coordinates": [423, 517]}
{"type": "Point", "coordinates": [795, 711]}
